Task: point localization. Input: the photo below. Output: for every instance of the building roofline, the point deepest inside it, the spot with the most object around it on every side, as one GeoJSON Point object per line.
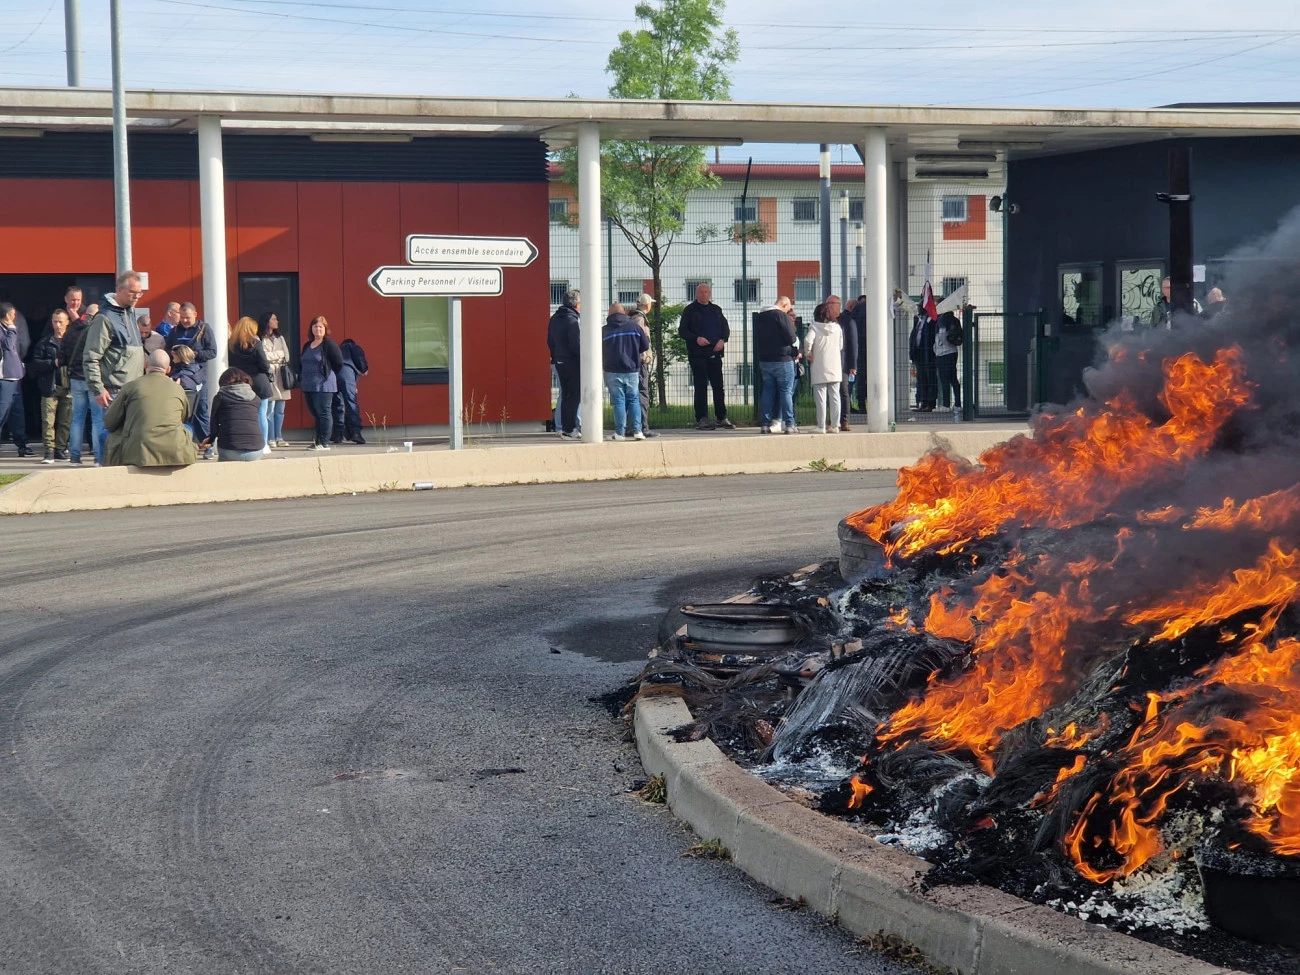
{"type": "Point", "coordinates": [1015, 132]}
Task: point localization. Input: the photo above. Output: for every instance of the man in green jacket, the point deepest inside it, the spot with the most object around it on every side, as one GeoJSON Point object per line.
{"type": "Point", "coordinates": [146, 421]}
{"type": "Point", "coordinates": [113, 354]}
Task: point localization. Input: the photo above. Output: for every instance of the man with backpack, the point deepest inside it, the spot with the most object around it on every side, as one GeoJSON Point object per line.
{"type": "Point", "coordinates": [347, 411]}
{"type": "Point", "coordinates": [948, 338]}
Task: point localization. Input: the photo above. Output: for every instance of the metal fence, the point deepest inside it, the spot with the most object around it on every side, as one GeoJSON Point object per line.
{"type": "Point", "coordinates": [947, 224]}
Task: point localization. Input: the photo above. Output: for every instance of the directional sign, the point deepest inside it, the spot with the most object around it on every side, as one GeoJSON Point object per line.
{"type": "Point", "coordinates": [495, 251]}
{"type": "Point", "coordinates": [415, 282]}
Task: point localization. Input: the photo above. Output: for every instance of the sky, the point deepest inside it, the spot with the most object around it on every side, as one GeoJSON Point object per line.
{"type": "Point", "coordinates": [1101, 54]}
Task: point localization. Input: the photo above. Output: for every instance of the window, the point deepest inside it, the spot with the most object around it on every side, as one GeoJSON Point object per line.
{"type": "Point", "coordinates": [425, 328]}
{"type": "Point", "coordinates": [1139, 289]}
{"type": "Point", "coordinates": [693, 283]}
{"type": "Point", "coordinates": [676, 214]}
{"type": "Point", "coordinates": [807, 291]}
{"type": "Point", "coordinates": [278, 293]}
{"type": "Point", "coordinates": [1081, 294]}
{"type": "Point", "coordinates": [558, 289]}
{"type": "Point", "coordinates": [954, 209]}
{"type": "Point", "coordinates": [855, 210]}
{"type": "Point", "coordinates": [950, 285]}
{"type": "Point", "coordinates": [805, 209]}
{"type": "Point", "coordinates": [746, 210]}
{"type": "Point", "coordinates": [741, 285]}
{"type": "Point", "coordinates": [628, 291]}
{"type": "Point", "coordinates": [559, 210]}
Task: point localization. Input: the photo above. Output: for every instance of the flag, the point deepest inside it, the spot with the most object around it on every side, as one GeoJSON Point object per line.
{"type": "Point", "coordinates": [927, 295]}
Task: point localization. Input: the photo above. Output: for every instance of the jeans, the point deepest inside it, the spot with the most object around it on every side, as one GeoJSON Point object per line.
{"type": "Point", "coordinates": [569, 375]}
{"type": "Point", "coordinates": [846, 398]}
{"type": "Point", "coordinates": [778, 392]}
{"type": "Point", "coordinates": [11, 411]}
{"type": "Point", "coordinates": [277, 419]}
{"type": "Point", "coordinates": [263, 420]}
{"type": "Point", "coordinates": [625, 396]}
{"type": "Point", "coordinates": [80, 413]}
{"type": "Point", "coordinates": [56, 415]}
{"type": "Point", "coordinates": [946, 366]}
{"type": "Point", "coordinates": [708, 372]}
{"type": "Point", "coordinates": [224, 454]}
{"type": "Point", "coordinates": [346, 412]}
{"type": "Point", "coordinates": [321, 406]}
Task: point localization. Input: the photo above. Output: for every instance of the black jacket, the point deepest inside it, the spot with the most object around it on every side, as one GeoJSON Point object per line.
{"type": "Point", "coordinates": [354, 361]}
{"type": "Point", "coordinates": [860, 320]}
{"type": "Point", "coordinates": [920, 342]}
{"type": "Point", "coordinates": [254, 362]}
{"type": "Point", "coordinates": [849, 358]}
{"type": "Point", "coordinates": [72, 346]}
{"type": "Point", "coordinates": [44, 364]}
{"type": "Point", "coordinates": [331, 355]}
{"type": "Point", "coordinates": [622, 341]}
{"type": "Point", "coordinates": [703, 322]}
{"type": "Point", "coordinates": [564, 335]}
{"type": "Point", "coordinates": [775, 338]}
{"type": "Point", "coordinates": [199, 339]}
{"type": "Point", "coordinates": [234, 424]}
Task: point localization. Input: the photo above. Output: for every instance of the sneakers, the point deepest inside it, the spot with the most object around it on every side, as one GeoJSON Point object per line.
{"type": "Point", "coordinates": [282, 443]}
{"type": "Point", "coordinates": [638, 435]}
{"type": "Point", "coordinates": [75, 462]}
{"type": "Point", "coordinates": [266, 449]}
{"type": "Point", "coordinates": [816, 430]}
{"type": "Point", "coordinates": [618, 437]}
{"type": "Point", "coordinates": [726, 424]}
{"type": "Point", "coordinates": [60, 455]}
{"type": "Point", "coordinates": [319, 446]}
{"type": "Point", "coordinates": [649, 433]}
{"type": "Point", "coordinates": [49, 456]}
{"type": "Point", "coordinates": [357, 439]}
{"type": "Point", "coordinates": [764, 429]}
{"type": "Point", "coordinates": [24, 451]}
{"type": "Point", "coordinates": [791, 429]}
{"type": "Point", "coordinates": [704, 424]}
{"type": "Point", "coordinates": [571, 435]}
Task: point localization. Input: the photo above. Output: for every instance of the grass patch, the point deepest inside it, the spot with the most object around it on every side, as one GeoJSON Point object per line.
{"type": "Point", "coordinates": [709, 850]}
{"type": "Point", "coordinates": [6, 479]}
{"type": "Point", "coordinates": [656, 791]}
{"type": "Point", "coordinates": [823, 466]}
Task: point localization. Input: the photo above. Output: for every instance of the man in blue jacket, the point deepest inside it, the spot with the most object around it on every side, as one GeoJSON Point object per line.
{"type": "Point", "coordinates": [198, 336]}
{"type": "Point", "coordinates": [564, 338]}
{"type": "Point", "coordinates": [705, 331]}
{"type": "Point", "coordinates": [621, 342]}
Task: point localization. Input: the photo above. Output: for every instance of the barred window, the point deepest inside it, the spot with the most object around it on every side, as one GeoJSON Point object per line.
{"type": "Point", "coordinates": [739, 285]}
{"type": "Point", "coordinates": [954, 209]}
{"type": "Point", "coordinates": [559, 210]}
{"type": "Point", "coordinates": [805, 209]}
{"type": "Point", "coordinates": [558, 291]}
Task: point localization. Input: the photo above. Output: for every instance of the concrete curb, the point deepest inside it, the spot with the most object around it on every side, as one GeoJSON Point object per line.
{"type": "Point", "coordinates": [870, 888]}
{"type": "Point", "coordinates": [553, 462]}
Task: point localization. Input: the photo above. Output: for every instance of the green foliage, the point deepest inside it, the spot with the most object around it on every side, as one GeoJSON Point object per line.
{"type": "Point", "coordinates": [680, 52]}
{"type": "Point", "coordinates": [822, 466]}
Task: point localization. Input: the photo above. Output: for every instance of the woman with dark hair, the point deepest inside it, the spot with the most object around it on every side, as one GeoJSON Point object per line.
{"type": "Point", "coordinates": [236, 427]}
{"type": "Point", "coordinates": [277, 354]}
{"type": "Point", "coordinates": [321, 361]}
{"type": "Point", "coordinates": [247, 354]}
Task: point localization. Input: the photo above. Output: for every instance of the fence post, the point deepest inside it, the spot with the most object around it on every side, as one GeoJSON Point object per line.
{"type": "Point", "coordinates": [969, 364]}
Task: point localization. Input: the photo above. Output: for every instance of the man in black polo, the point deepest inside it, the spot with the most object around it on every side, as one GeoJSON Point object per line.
{"type": "Point", "coordinates": [705, 331]}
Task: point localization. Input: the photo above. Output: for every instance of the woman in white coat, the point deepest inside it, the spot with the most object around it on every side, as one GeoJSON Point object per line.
{"type": "Point", "coordinates": [823, 348]}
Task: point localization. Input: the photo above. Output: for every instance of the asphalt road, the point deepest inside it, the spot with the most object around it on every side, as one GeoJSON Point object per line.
{"type": "Point", "coordinates": [336, 736]}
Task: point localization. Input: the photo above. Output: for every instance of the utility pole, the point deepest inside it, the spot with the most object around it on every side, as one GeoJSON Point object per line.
{"type": "Point", "coordinates": [825, 208]}
{"type": "Point", "coordinates": [121, 171]}
{"type": "Point", "coordinates": [844, 246]}
{"type": "Point", "coordinates": [72, 39]}
{"type": "Point", "coordinates": [744, 286]}
{"type": "Point", "coordinates": [858, 255]}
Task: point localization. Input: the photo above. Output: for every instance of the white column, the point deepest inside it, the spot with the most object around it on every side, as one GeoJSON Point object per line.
{"type": "Point", "coordinates": [212, 217]}
{"type": "Point", "coordinates": [593, 314]}
{"type": "Point", "coordinates": [121, 167]}
{"type": "Point", "coordinates": [880, 322]}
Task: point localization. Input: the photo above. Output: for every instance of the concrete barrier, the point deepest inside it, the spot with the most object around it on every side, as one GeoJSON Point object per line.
{"type": "Point", "coordinates": [872, 889]}
{"type": "Point", "coordinates": [550, 462]}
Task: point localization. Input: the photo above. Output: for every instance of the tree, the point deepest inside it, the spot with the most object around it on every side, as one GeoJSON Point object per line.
{"type": "Point", "coordinates": [680, 53]}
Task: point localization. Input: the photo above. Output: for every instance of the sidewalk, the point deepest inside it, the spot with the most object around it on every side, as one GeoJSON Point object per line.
{"type": "Point", "coordinates": [511, 458]}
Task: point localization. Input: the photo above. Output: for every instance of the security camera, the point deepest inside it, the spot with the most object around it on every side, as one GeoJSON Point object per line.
{"type": "Point", "coordinates": [995, 204]}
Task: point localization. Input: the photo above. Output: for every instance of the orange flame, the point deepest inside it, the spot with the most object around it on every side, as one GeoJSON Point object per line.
{"type": "Point", "coordinates": [860, 792]}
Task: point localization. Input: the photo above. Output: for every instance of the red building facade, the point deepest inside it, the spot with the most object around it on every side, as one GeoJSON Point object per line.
{"type": "Point", "coordinates": [306, 223]}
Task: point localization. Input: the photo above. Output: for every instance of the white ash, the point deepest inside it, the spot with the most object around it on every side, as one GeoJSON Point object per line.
{"type": "Point", "coordinates": [819, 768]}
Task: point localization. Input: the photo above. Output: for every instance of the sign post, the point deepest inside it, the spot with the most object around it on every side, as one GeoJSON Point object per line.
{"type": "Point", "coordinates": [454, 268]}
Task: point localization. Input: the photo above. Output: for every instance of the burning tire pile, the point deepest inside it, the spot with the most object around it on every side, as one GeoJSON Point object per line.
{"type": "Point", "coordinates": [1074, 667]}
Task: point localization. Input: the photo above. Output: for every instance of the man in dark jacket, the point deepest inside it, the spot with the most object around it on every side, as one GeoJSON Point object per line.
{"type": "Point", "coordinates": [777, 344]}
{"type": "Point", "coordinates": [860, 384]}
{"type": "Point", "coordinates": [564, 338]}
{"type": "Point", "coordinates": [51, 382]}
{"type": "Point", "coordinates": [848, 355]}
{"type": "Point", "coordinates": [347, 411]}
{"type": "Point", "coordinates": [621, 344]}
{"type": "Point", "coordinates": [71, 350]}
{"type": "Point", "coordinates": [11, 376]}
{"type": "Point", "coordinates": [920, 349]}
{"type": "Point", "coordinates": [198, 336]}
{"type": "Point", "coordinates": [705, 331]}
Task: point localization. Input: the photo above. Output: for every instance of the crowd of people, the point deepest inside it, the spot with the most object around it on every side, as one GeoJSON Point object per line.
{"type": "Point", "coordinates": [830, 349]}
{"type": "Point", "coordinates": [138, 391]}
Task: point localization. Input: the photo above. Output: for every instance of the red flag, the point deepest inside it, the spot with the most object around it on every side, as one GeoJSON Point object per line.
{"type": "Point", "coordinates": [927, 295]}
